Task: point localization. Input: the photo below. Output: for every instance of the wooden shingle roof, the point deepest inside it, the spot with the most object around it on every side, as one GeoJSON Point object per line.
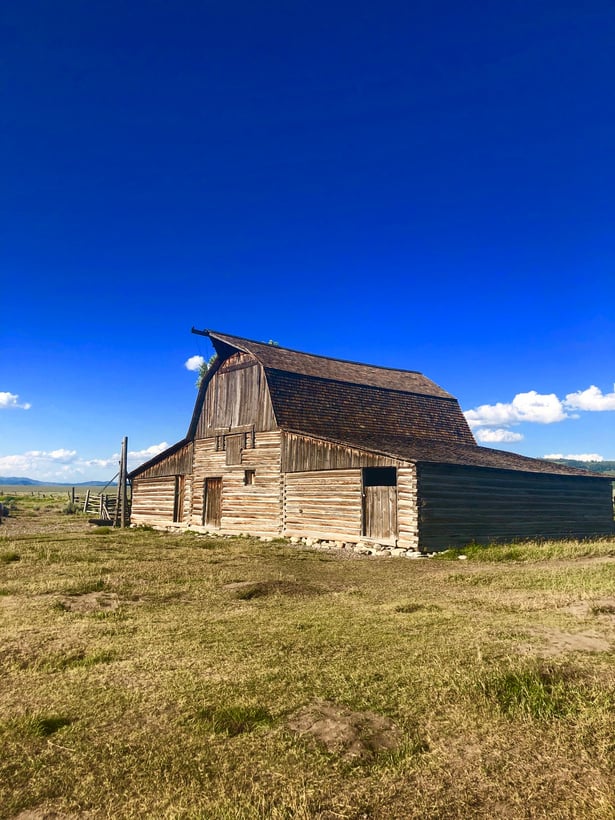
{"type": "Point", "coordinates": [329, 408]}
{"type": "Point", "coordinates": [307, 364]}
{"type": "Point", "coordinates": [335, 398]}
{"type": "Point", "coordinates": [399, 413]}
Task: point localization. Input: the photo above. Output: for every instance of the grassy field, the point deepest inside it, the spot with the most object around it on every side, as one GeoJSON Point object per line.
{"type": "Point", "coordinates": [144, 674]}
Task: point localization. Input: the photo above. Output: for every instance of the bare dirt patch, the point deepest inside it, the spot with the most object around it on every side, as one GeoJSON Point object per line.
{"type": "Point", "coordinates": [90, 602]}
{"type": "Point", "coordinates": [352, 735]}
{"type": "Point", "coordinates": [247, 590]}
{"type": "Point", "coordinates": [556, 642]}
{"type": "Point", "coordinates": [599, 606]}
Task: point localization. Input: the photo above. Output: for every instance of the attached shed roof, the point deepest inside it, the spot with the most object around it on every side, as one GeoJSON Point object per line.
{"type": "Point", "coordinates": [442, 452]}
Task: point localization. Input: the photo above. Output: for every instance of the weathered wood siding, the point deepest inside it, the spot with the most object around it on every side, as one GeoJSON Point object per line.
{"type": "Point", "coordinates": [252, 508]}
{"type": "Point", "coordinates": [323, 504]}
{"type": "Point", "coordinates": [407, 507]}
{"type": "Point", "coordinates": [303, 454]}
{"type": "Point", "coordinates": [153, 500]}
{"type": "Point", "coordinates": [459, 505]}
{"type": "Point", "coordinates": [236, 396]}
{"type": "Point", "coordinates": [177, 462]}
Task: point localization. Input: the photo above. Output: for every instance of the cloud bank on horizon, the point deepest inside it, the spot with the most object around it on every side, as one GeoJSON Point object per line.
{"type": "Point", "coordinates": [67, 465]}
{"type": "Point", "coordinates": [491, 422]}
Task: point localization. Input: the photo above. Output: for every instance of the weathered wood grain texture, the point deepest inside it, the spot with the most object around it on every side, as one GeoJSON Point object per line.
{"type": "Point", "coordinates": [458, 505]}
{"type": "Point", "coordinates": [177, 462]}
{"type": "Point", "coordinates": [153, 500]}
{"type": "Point", "coordinates": [323, 505]}
{"type": "Point", "coordinates": [380, 513]}
{"type": "Point", "coordinates": [407, 507]}
{"type": "Point", "coordinates": [252, 508]}
{"type": "Point", "coordinates": [236, 396]}
{"type": "Point", "coordinates": [303, 454]}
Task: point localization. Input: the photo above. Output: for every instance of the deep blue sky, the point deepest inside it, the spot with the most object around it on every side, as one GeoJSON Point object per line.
{"type": "Point", "coordinates": [420, 185]}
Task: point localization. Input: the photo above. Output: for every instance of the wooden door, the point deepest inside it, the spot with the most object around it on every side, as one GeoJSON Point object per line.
{"type": "Point", "coordinates": [380, 512]}
{"type": "Point", "coordinates": [379, 502]}
{"type": "Point", "coordinates": [178, 502]}
{"type": "Point", "coordinates": [212, 502]}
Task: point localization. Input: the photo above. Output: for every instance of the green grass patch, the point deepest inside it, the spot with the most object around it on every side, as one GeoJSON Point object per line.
{"type": "Point", "coordinates": [530, 551]}
{"type": "Point", "coordinates": [415, 606]}
{"type": "Point", "coordinates": [233, 720]}
{"type": "Point", "coordinates": [9, 557]}
{"type": "Point", "coordinates": [43, 725]}
{"type": "Point", "coordinates": [86, 586]}
{"type": "Point", "coordinates": [538, 691]}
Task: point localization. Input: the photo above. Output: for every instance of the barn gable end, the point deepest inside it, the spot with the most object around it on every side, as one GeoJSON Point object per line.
{"type": "Point", "coordinates": [288, 443]}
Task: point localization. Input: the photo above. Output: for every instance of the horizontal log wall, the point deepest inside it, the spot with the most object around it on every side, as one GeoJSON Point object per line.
{"type": "Point", "coordinates": [323, 505]}
{"type": "Point", "coordinates": [254, 508]}
{"type": "Point", "coordinates": [187, 508]}
{"type": "Point", "coordinates": [407, 509]}
{"type": "Point", "coordinates": [460, 505]}
{"type": "Point", "coordinates": [236, 396]}
{"type": "Point", "coordinates": [153, 500]}
{"type": "Point", "coordinates": [303, 454]}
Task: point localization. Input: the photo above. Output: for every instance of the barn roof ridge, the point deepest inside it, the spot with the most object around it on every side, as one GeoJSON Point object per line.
{"type": "Point", "coordinates": [296, 361]}
{"type": "Point", "coordinates": [363, 385]}
{"type": "Point", "coordinates": [311, 355]}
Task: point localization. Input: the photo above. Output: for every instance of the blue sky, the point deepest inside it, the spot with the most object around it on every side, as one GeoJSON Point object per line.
{"type": "Point", "coordinates": [422, 185]}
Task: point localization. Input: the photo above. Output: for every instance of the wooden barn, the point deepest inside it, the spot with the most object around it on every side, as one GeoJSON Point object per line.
{"type": "Point", "coordinates": [283, 443]}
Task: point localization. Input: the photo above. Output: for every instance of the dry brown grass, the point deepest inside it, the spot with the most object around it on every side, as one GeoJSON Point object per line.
{"type": "Point", "coordinates": [155, 675]}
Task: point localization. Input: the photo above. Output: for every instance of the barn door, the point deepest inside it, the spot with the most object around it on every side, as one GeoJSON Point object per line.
{"type": "Point", "coordinates": [178, 502]}
{"type": "Point", "coordinates": [379, 502]}
{"type": "Point", "coordinates": [212, 502]}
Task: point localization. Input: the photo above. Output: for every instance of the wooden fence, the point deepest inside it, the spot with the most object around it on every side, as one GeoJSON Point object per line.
{"type": "Point", "coordinates": [102, 505]}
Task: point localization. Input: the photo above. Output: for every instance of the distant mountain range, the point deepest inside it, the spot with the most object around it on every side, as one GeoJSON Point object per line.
{"type": "Point", "coordinates": [26, 482]}
{"type": "Point", "coordinates": [604, 467]}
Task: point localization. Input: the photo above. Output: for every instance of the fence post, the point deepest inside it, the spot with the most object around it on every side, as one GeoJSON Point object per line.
{"type": "Point", "coordinates": [124, 475]}
{"type": "Point", "coordinates": [120, 509]}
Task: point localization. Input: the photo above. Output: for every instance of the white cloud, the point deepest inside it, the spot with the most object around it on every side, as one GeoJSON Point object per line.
{"type": "Point", "coordinates": [577, 457]}
{"type": "Point", "coordinates": [12, 400]}
{"type": "Point", "coordinates": [194, 363]}
{"type": "Point", "coordinates": [137, 457]}
{"type": "Point", "coordinates": [38, 463]}
{"type": "Point", "coordinates": [487, 434]}
{"type": "Point", "coordinates": [67, 465]}
{"type": "Point", "coordinates": [592, 399]}
{"type": "Point", "coordinates": [525, 407]}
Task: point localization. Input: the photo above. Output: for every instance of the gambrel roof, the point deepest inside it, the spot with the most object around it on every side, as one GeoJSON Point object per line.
{"type": "Point", "coordinates": [399, 413]}
{"type": "Point", "coordinates": [335, 399]}
{"type": "Point", "coordinates": [396, 413]}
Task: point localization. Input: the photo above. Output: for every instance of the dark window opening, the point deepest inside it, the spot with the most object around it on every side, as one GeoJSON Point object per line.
{"type": "Point", "coordinates": [248, 477]}
{"type": "Point", "coordinates": [379, 477]}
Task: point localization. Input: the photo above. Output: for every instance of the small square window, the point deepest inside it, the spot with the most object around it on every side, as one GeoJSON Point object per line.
{"type": "Point", "coordinates": [248, 477]}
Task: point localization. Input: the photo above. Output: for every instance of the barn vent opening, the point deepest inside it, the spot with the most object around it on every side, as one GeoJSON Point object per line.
{"type": "Point", "coordinates": [379, 477]}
